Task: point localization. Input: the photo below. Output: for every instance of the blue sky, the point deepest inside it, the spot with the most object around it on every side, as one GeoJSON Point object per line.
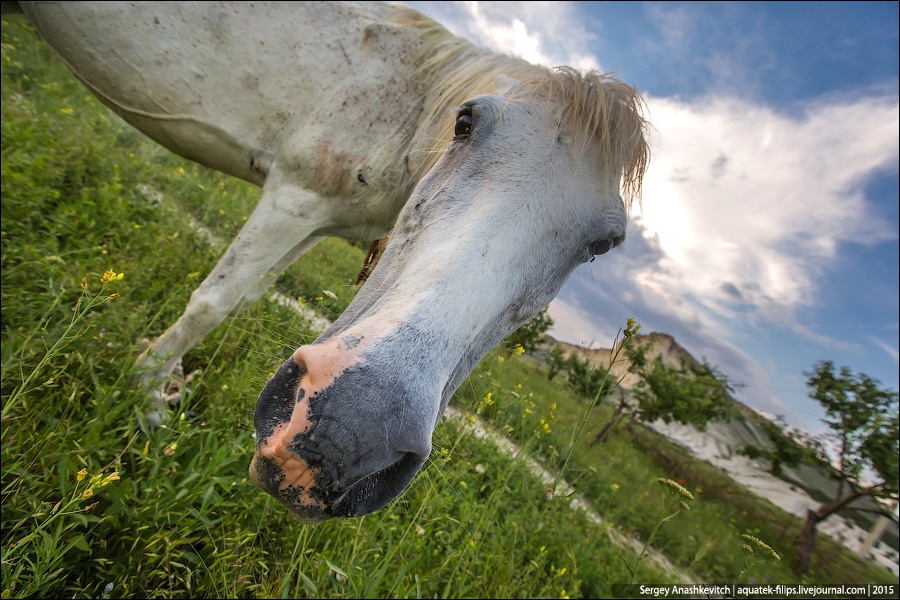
{"type": "Point", "coordinates": [767, 239]}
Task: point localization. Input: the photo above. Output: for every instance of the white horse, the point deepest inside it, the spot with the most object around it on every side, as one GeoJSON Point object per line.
{"type": "Point", "coordinates": [340, 111]}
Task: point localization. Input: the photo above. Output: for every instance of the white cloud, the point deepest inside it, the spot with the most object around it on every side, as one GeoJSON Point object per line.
{"type": "Point", "coordinates": [568, 319]}
{"type": "Point", "coordinates": [546, 33]}
{"type": "Point", "coordinates": [748, 206]}
{"type": "Point", "coordinates": [887, 348]}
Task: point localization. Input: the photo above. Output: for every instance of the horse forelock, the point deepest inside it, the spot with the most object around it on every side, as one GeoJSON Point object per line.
{"type": "Point", "coordinates": [598, 106]}
{"type": "Point", "coordinates": [593, 105]}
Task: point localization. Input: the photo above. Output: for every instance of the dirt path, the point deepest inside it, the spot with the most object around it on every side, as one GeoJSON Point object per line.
{"type": "Point", "coordinates": [563, 489]}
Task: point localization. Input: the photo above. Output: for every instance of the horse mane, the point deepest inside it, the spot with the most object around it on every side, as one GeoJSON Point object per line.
{"type": "Point", "coordinates": [597, 105]}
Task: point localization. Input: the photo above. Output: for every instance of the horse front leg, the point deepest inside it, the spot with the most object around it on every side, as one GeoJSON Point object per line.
{"type": "Point", "coordinates": [281, 228]}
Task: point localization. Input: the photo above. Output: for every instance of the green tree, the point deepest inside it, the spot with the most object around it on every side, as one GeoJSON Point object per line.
{"type": "Point", "coordinates": [556, 361]}
{"type": "Point", "coordinates": [788, 449]}
{"type": "Point", "coordinates": [693, 394]}
{"type": "Point", "coordinates": [863, 422]}
{"type": "Point", "coordinates": [530, 335]}
{"type": "Point", "coordinates": [586, 378]}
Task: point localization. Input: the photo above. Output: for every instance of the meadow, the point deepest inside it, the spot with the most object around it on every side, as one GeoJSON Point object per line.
{"type": "Point", "coordinates": [99, 502]}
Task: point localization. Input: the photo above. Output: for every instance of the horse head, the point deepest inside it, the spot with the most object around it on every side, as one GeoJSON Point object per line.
{"type": "Point", "coordinates": [530, 187]}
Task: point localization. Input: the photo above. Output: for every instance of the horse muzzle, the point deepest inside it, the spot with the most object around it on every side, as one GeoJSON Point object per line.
{"type": "Point", "coordinates": [337, 436]}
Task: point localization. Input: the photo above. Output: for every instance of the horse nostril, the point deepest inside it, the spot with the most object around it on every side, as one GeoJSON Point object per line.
{"type": "Point", "coordinates": [299, 360]}
{"type": "Point", "coordinates": [276, 401]}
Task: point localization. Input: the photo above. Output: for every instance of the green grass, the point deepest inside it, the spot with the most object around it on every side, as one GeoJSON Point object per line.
{"type": "Point", "coordinates": [83, 193]}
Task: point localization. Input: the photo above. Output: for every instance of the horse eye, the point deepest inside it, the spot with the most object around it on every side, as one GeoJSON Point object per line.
{"type": "Point", "coordinates": [603, 246]}
{"type": "Point", "coordinates": [463, 124]}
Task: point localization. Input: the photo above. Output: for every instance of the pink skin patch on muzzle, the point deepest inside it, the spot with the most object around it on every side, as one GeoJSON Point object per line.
{"type": "Point", "coordinates": [320, 365]}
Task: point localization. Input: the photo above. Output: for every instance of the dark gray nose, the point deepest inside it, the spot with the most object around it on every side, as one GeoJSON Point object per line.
{"type": "Point", "coordinates": [342, 443]}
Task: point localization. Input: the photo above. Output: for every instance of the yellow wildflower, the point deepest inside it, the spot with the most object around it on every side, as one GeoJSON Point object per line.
{"type": "Point", "coordinates": [631, 328]}
{"type": "Point", "coordinates": [87, 493]}
{"type": "Point", "coordinates": [81, 475]}
{"type": "Point", "coordinates": [111, 275]}
{"type": "Point", "coordinates": [66, 111]}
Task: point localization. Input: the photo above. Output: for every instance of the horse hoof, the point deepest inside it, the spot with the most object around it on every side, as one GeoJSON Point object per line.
{"type": "Point", "coordinates": [170, 394]}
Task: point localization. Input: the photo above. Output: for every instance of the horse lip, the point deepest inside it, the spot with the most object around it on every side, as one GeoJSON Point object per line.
{"type": "Point", "coordinates": [379, 488]}
{"type": "Point", "coordinates": [367, 494]}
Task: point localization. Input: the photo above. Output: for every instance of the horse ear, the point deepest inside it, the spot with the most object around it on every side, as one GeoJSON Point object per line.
{"type": "Point", "coordinates": [506, 85]}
